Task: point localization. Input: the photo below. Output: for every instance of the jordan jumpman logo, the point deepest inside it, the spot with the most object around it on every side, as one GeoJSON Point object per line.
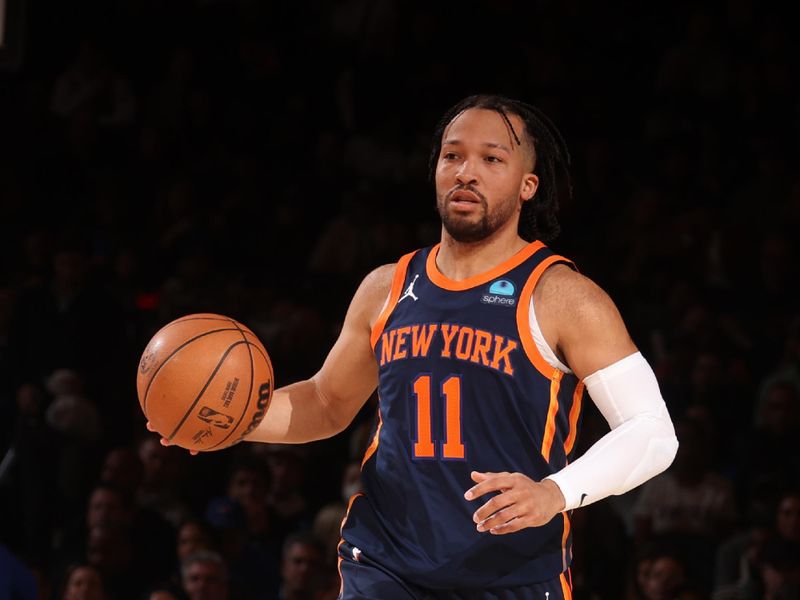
{"type": "Point", "coordinates": [409, 293]}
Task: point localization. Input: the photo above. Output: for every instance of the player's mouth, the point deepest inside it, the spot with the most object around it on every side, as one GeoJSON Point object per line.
{"type": "Point", "coordinates": [463, 199]}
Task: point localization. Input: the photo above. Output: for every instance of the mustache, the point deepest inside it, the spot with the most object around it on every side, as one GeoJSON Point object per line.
{"type": "Point", "coordinates": [465, 188]}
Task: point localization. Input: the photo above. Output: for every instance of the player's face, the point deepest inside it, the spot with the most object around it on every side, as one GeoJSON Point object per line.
{"type": "Point", "coordinates": [483, 176]}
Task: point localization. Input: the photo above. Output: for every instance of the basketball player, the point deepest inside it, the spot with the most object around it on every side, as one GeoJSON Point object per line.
{"type": "Point", "coordinates": [481, 348]}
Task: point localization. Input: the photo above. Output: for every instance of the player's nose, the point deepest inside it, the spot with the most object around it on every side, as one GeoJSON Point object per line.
{"type": "Point", "coordinates": [465, 174]}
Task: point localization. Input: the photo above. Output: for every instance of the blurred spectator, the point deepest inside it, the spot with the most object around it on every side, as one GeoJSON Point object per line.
{"type": "Point", "coordinates": [204, 576]}
{"type": "Point", "coordinates": [83, 582]}
{"type": "Point", "coordinates": [94, 98]}
{"type": "Point", "coordinates": [599, 539]}
{"type": "Point", "coordinates": [767, 456]}
{"type": "Point", "coordinates": [300, 567]}
{"type": "Point", "coordinates": [122, 468]}
{"type": "Point", "coordinates": [660, 572]}
{"type": "Point", "coordinates": [74, 417]}
{"type": "Point", "coordinates": [194, 535]}
{"type": "Point", "coordinates": [251, 563]}
{"type": "Point", "coordinates": [760, 572]}
{"type": "Point", "coordinates": [286, 497]}
{"type": "Point", "coordinates": [326, 529]}
{"type": "Point", "coordinates": [248, 484]}
{"type": "Point", "coordinates": [688, 498]}
{"type": "Point", "coordinates": [689, 504]}
{"type": "Point", "coordinates": [161, 486]}
{"type": "Point", "coordinates": [788, 519]}
{"type": "Point", "coordinates": [666, 579]}
{"type": "Point", "coordinates": [738, 556]}
{"type": "Point", "coordinates": [114, 536]}
{"type": "Point", "coordinates": [27, 468]}
{"type": "Point", "coordinates": [779, 570]}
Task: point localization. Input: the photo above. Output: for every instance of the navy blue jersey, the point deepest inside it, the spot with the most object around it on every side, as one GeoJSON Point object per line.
{"type": "Point", "coordinates": [462, 387]}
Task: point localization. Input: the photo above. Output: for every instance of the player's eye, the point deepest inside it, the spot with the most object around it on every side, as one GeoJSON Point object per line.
{"type": "Point", "coordinates": [449, 156]}
{"type": "Point", "coordinates": [493, 159]}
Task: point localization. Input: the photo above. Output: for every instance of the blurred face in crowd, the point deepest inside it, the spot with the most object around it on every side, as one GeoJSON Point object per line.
{"type": "Point", "coordinates": [780, 411]}
{"type": "Point", "coordinates": [205, 580]}
{"type": "Point", "coordinates": [664, 578]}
{"type": "Point", "coordinates": [160, 463]}
{"type": "Point", "coordinates": [788, 521]}
{"type": "Point", "coordinates": [299, 567]}
{"type": "Point", "coordinates": [108, 550]}
{"type": "Point", "coordinates": [191, 538]}
{"type": "Point", "coordinates": [107, 509]}
{"type": "Point", "coordinates": [123, 469]}
{"type": "Point", "coordinates": [247, 486]}
{"type": "Point", "coordinates": [84, 583]}
{"type": "Point", "coordinates": [483, 175]}
{"type": "Point", "coordinates": [777, 579]}
{"type": "Point", "coordinates": [288, 472]}
{"type": "Point", "coordinates": [162, 595]}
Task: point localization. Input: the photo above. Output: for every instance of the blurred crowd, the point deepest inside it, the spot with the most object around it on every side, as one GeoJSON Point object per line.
{"type": "Point", "coordinates": [256, 159]}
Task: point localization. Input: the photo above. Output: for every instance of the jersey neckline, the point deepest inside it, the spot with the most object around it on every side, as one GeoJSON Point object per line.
{"type": "Point", "coordinates": [470, 282]}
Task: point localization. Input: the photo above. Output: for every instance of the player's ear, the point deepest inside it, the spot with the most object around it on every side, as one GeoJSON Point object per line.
{"type": "Point", "coordinates": [529, 186]}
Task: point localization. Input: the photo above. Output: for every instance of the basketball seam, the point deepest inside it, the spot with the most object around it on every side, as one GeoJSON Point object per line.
{"type": "Point", "coordinates": [185, 319]}
{"type": "Point", "coordinates": [205, 387]}
{"type": "Point", "coordinates": [168, 358]}
{"type": "Point", "coordinates": [243, 412]}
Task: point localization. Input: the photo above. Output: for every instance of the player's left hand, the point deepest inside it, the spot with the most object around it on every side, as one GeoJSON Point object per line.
{"type": "Point", "coordinates": [520, 503]}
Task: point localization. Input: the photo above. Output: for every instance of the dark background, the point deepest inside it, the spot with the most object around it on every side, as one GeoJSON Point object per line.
{"type": "Point", "coordinates": [257, 159]}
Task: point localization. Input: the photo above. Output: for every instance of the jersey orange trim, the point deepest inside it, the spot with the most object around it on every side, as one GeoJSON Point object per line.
{"type": "Point", "coordinates": [341, 540]}
{"type": "Point", "coordinates": [574, 413]}
{"type": "Point", "coordinates": [394, 294]}
{"type": "Point", "coordinates": [564, 539]}
{"type": "Point", "coordinates": [565, 587]}
{"type": "Point", "coordinates": [373, 446]}
{"type": "Point", "coordinates": [523, 317]}
{"type": "Point", "coordinates": [470, 282]}
{"type": "Point", "coordinates": [339, 560]}
{"type": "Point", "coordinates": [550, 423]}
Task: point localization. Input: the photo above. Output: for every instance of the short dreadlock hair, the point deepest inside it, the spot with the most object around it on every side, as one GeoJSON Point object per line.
{"type": "Point", "coordinates": [551, 160]}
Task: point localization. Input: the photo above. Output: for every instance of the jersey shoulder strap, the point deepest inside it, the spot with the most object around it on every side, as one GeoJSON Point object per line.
{"type": "Point", "coordinates": [394, 295]}
{"type": "Point", "coordinates": [523, 314]}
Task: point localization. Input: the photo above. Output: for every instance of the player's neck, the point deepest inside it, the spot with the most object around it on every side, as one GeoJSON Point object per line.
{"type": "Point", "coordinates": [458, 260]}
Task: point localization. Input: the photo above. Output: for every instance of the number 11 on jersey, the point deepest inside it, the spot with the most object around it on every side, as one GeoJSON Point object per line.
{"type": "Point", "coordinates": [451, 391]}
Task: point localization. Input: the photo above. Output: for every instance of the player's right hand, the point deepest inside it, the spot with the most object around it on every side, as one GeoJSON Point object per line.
{"type": "Point", "coordinates": [165, 441]}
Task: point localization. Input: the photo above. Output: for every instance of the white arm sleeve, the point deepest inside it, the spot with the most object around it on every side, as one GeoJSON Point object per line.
{"type": "Point", "coordinates": [640, 445]}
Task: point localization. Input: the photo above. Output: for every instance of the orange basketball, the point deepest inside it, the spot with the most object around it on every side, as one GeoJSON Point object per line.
{"type": "Point", "coordinates": [204, 381]}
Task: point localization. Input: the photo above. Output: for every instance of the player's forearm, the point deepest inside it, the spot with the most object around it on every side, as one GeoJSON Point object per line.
{"type": "Point", "coordinates": [297, 413]}
{"type": "Point", "coordinates": [641, 442]}
{"type": "Point", "coordinates": [618, 462]}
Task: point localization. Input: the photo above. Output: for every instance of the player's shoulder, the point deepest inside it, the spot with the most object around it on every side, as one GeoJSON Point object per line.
{"type": "Point", "coordinates": [371, 295]}
{"type": "Point", "coordinates": [573, 295]}
{"type": "Point", "coordinates": [379, 280]}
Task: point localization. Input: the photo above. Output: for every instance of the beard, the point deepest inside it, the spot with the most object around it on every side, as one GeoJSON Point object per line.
{"type": "Point", "coordinates": [471, 228]}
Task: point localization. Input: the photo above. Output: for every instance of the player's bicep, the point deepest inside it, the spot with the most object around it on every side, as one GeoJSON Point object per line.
{"type": "Point", "coordinates": [349, 374]}
{"type": "Point", "coordinates": [590, 332]}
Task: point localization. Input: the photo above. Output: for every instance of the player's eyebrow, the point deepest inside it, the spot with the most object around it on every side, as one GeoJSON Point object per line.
{"type": "Point", "coordinates": [500, 146]}
{"type": "Point", "coordinates": [454, 142]}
